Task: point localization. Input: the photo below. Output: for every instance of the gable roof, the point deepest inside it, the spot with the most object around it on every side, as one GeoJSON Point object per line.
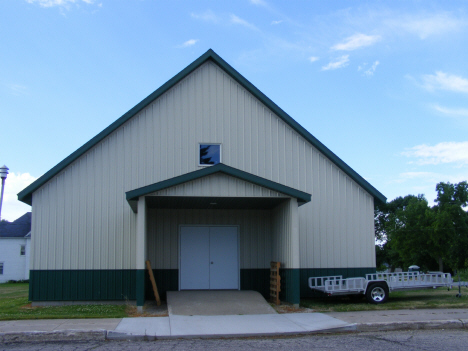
{"type": "Point", "coordinates": [26, 194]}
{"type": "Point", "coordinates": [19, 228]}
{"type": "Point", "coordinates": [133, 195]}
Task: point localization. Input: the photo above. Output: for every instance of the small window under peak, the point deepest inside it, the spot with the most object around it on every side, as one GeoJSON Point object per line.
{"type": "Point", "coordinates": [209, 154]}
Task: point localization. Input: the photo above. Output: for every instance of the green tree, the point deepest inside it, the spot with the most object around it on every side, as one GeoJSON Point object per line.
{"type": "Point", "coordinates": [402, 226]}
{"type": "Point", "coordinates": [410, 234]}
{"type": "Point", "coordinates": [450, 227]}
{"type": "Point", "coordinates": [390, 225]}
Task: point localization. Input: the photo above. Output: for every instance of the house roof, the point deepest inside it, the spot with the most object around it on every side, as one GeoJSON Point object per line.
{"type": "Point", "coordinates": [133, 195]}
{"type": "Point", "coordinates": [16, 229]}
{"type": "Point", "coordinates": [26, 194]}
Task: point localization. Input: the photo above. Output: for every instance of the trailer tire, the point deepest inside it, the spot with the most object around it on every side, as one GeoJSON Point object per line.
{"type": "Point", "coordinates": [377, 293]}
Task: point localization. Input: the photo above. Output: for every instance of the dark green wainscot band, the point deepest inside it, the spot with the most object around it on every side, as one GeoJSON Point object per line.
{"type": "Point", "coordinates": [82, 285]}
{"type": "Point", "coordinates": [132, 284]}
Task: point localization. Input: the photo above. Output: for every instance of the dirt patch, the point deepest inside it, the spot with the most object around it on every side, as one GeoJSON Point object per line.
{"type": "Point", "coordinates": [149, 310]}
{"type": "Point", "coordinates": [29, 306]}
{"type": "Point", "coordinates": [288, 308]}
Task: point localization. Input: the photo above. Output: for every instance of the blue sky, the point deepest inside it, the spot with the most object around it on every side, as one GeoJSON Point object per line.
{"type": "Point", "coordinates": [383, 84]}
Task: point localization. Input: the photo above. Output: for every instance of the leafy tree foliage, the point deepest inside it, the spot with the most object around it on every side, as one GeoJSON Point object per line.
{"type": "Point", "coordinates": [451, 224]}
{"type": "Point", "coordinates": [409, 231]}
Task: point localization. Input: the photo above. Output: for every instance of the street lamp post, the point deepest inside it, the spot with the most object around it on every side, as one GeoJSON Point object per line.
{"type": "Point", "coordinates": [3, 175]}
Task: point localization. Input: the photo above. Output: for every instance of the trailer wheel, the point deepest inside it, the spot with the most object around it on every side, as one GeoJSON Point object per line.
{"type": "Point", "coordinates": [377, 293]}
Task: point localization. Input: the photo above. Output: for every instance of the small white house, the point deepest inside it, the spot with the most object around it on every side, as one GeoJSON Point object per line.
{"type": "Point", "coordinates": [15, 242]}
{"type": "Point", "coordinates": [209, 180]}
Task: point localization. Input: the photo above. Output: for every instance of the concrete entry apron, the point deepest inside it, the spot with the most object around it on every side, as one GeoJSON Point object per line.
{"type": "Point", "coordinates": [209, 257]}
{"type": "Point", "coordinates": [217, 303]}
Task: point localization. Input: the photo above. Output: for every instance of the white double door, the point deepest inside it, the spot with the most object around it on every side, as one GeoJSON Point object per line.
{"type": "Point", "coordinates": [209, 258]}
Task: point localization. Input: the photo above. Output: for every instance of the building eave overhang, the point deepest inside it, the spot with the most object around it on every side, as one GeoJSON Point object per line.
{"type": "Point", "coordinates": [26, 194]}
{"type": "Point", "coordinates": [133, 195]}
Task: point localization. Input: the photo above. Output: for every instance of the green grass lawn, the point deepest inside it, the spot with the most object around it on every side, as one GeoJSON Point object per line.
{"type": "Point", "coordinates": [411, 299]}
{"type": "Point", "coordinates": [14, 305]}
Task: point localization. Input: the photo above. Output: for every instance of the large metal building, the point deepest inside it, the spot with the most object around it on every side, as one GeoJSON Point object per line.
{"type": "Point", "coordinates": [208, 179]}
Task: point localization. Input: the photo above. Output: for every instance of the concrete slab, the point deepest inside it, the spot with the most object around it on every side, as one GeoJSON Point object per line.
{"type": "Point", "coordinates": [245, 325]}
{"type": "Point", "coordinates": [315, 321]}
{"type": "Point", "coordinates": [144, 326]}
{"type": "Point", "coordinates": [216, 303]}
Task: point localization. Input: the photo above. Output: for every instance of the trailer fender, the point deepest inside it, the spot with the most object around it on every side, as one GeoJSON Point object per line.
{"type": "Point", "coordinates": [369, 283]}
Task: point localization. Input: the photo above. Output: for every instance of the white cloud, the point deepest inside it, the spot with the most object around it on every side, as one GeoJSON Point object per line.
{"type": "Point", "coordinates": [444, 81]}
{"type": "Point", "coordinates": [188, 43]}
{"type": "Point", "coordinates": [17, 89]}
{"type": "Point", "coordinates": [356, 41]}
{"type": "Point", "coordinates": [12, 208]}
{"type": "Point", "coordinates": [208, 16]}
{"type": "Point", "coordinates": [445, 152]}
{"type": "Point", "coordinates": [371, 71]}
{"type": "Point", "coordinates": [51, 3]}
{"type": "Point", "coordinates": [277, 22]}
{"type": "Point", "coordinates": [426, 177]}
{"type": "Point", "coordinates": [258, 2]}
{"type": "Point", "coordinates": [427, 25]}
{"type": "Point", "coordinates": [416, 175]}
{"type": "Point", "coordinates": [313, 58]}
{"type": "Point", "coordinates": [242, 22]}
{"type": "Point", "coordinates": [338, 63]}
{"type": "Point", "coordinates": [424, 183]}
{"type": "Point", "coordinates": [459, 112]}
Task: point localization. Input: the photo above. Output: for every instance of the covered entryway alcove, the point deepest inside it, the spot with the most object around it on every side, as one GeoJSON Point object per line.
{"type": "Point", "coordinates": [217, 206]}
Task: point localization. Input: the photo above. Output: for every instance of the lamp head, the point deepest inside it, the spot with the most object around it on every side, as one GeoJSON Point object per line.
{"type": "Point", "coordinates": [3, 172]}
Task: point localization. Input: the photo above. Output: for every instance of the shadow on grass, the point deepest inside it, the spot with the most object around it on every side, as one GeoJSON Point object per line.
{"type": "Point", "coordinates": [413, 299]}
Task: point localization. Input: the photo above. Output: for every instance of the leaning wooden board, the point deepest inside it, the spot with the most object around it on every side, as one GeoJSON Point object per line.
{"type": "Point", "coordinates": [153, 282]}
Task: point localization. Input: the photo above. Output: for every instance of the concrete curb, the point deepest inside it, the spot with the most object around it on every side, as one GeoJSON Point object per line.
{"type": "Point", "coordinates": [117, 336]}
{"type": "Point", "coordinates": [59, 335]}
{"type": "Point", "coordinates": [428, 325]}
{"type": "Point", "coordinates": [102, 335]}
{"type": "Point", "coordinates": [111, 335]}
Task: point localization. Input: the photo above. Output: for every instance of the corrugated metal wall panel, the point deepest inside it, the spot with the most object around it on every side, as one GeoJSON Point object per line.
{"type": "Point", "coordinates": [218, 185]}
{"type": "Point", "coordinates": [84, 222]}
{"type": "Point", "coordinates": [281, 229]}
{"type": "Point", "coordinates": [163, 234]}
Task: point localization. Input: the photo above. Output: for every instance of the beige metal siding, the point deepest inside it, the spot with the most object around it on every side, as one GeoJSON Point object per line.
{"type": "Point", "coordinates": [218, 185]}
{"type": "Point", "coordinates": [81, 217]}
{"type": "Point", "coordinates": [281, 233]}
{"type": "Point", "coordinates": [163, 234]}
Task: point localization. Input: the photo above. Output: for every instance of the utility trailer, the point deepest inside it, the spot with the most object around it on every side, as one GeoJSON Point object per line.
{"type": "Point", "coordinates": [377, 286]}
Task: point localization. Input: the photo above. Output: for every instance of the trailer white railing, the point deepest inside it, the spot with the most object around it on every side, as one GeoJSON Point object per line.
{"type": "Point", "coordinates": [336, 285]}
{"type": "Point", "coordinates": [408, 280]}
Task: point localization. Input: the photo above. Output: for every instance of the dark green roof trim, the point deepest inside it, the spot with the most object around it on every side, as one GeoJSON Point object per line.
{"type": "Point", "coordinates": [26, 194]}
{"type": "Point", "coordinates": [133, 195]}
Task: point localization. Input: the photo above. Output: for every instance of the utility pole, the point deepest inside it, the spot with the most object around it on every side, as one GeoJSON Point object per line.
{"type": "Point", "coordinates": [3, 175]}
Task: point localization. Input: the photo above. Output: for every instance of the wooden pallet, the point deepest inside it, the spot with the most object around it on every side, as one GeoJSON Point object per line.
{"type": "Point", "coordinates": [275, 282]}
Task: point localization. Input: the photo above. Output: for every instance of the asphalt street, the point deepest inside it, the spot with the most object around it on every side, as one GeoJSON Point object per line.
{"type": "Point", "coordinates": [386, 341]}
